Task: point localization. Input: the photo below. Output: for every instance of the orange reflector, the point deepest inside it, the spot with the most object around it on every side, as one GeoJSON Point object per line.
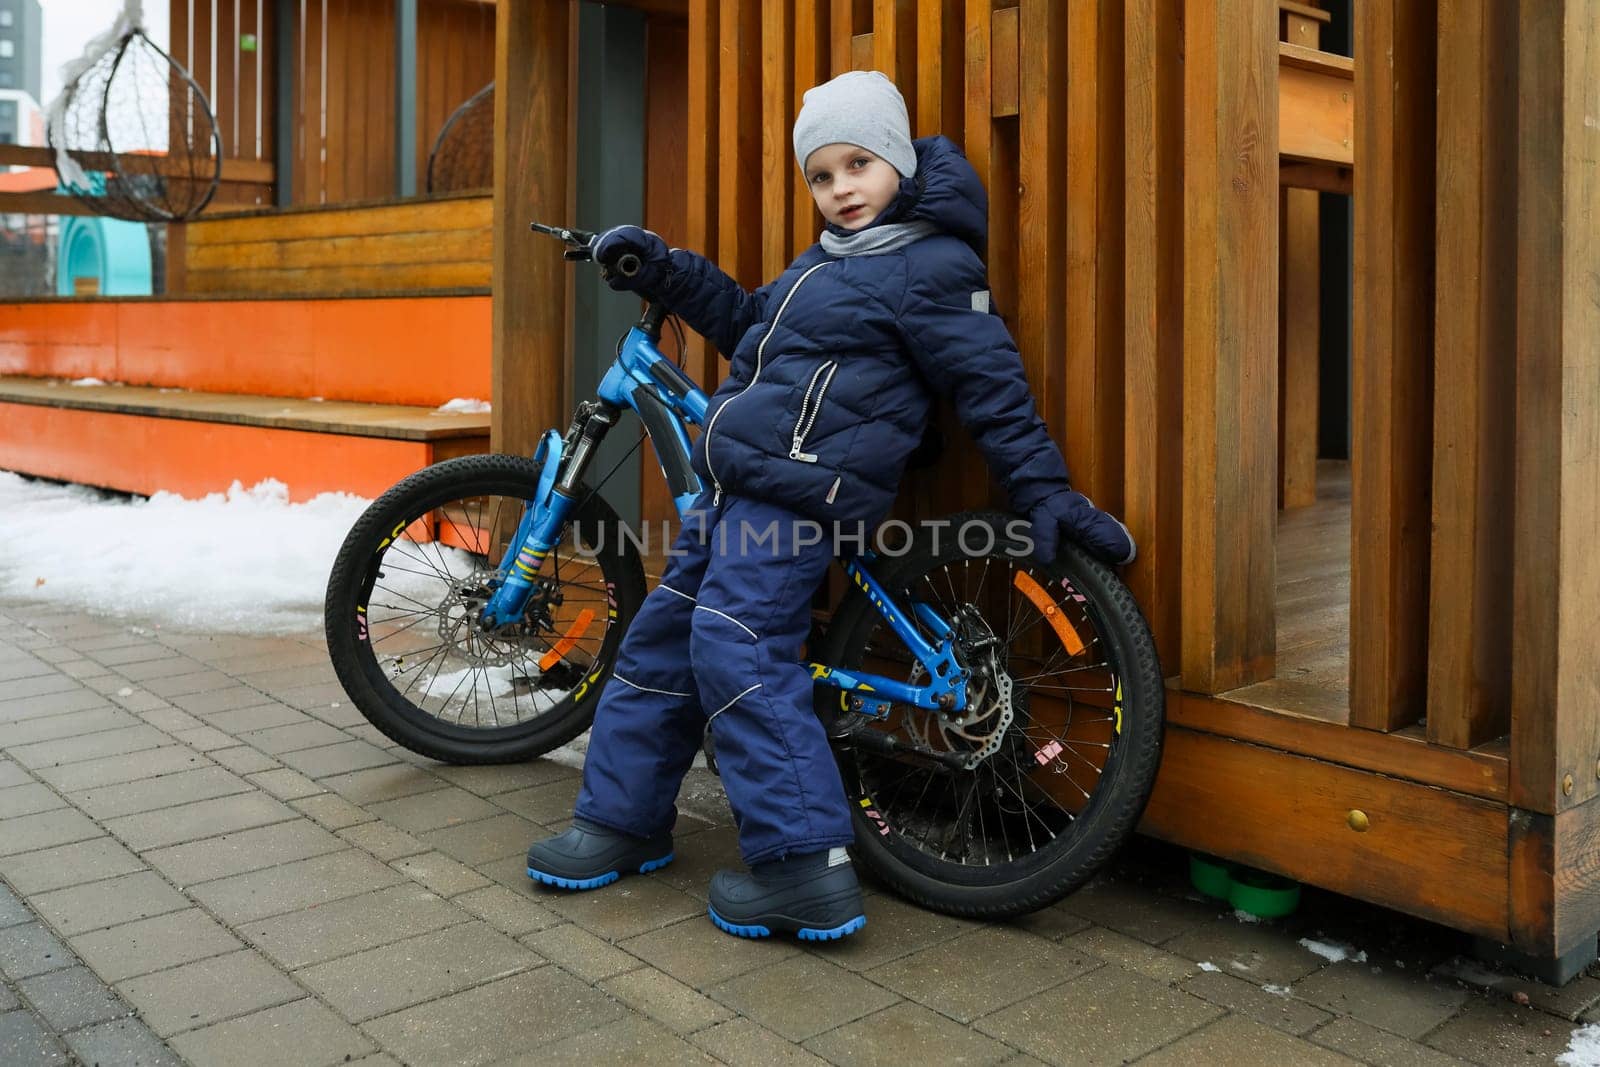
{"type": "Point", "coordinates": [1047, 607]}
{"type": "Point", "coordinates": [568, 639]}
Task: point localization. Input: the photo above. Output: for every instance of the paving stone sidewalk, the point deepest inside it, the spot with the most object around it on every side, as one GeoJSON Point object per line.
{"type": "Point", "coordinates": [208, 856]}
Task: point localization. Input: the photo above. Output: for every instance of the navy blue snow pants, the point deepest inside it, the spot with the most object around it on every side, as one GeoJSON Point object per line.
{"type": "Point", "coordinates": [720, 639]}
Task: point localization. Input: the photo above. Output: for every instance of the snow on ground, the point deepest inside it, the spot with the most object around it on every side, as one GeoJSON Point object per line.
{"type": "Point", "coordinates": [1333, 951]}
{"type": "Point", "coordinates": [247, 561]}
{"type": "Point", "coordinates": [462, 405]}
{"type": "Point", "coordinates": [1583, 1049]}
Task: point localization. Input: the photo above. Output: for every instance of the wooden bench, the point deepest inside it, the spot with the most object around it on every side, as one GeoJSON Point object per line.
{"type": "Point", "coordinates": [142, 439]}
{"type": "Point", "coordinates": [207, 386]}
{"type": "Point", "coordinates": [421, 349]}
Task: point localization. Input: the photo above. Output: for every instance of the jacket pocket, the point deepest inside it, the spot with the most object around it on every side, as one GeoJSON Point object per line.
{"type": "Point", "coordinates": [810, 408]}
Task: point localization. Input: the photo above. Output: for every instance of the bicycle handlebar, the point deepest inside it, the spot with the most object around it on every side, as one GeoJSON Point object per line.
{"type": "Point", "coordinates": [575, 239]}
{"type": "Point", "coordinates": [580, 246]}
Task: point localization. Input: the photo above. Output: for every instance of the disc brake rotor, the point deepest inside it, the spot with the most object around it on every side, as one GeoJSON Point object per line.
{"type": "Point", "coordinates": [984, 721]}
{"type": "Point", "coordinates": [458, 614]}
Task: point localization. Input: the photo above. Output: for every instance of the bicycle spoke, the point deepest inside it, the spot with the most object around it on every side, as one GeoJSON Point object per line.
{"type": "Point", "coordinates": [403, 629]}
{"type": "Point", "coordinates": [398, 550]}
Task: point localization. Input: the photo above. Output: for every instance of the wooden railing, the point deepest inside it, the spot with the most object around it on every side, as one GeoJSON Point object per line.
{"type": "Point", "coordinates": [387, 247]}
{"type": "Point", "coordinates": [237, 174]}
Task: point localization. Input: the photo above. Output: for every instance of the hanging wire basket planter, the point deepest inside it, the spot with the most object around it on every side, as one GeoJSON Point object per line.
{"type": "Point", "coordinates": [133, 134]}
{"type": "Point", "coordinates": [462, 156]}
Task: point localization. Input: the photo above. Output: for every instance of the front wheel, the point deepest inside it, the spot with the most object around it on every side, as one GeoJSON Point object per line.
{"type": "Point", "coordinates": [1017, 801]}
{"type": "Point", "coordinates": [406, 589]}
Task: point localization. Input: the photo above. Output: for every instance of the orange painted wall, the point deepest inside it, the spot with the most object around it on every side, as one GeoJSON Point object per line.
{"type": "Point", "coordinates": [140, 454]}
{"type": "Point", "coordinates": [404, 350]}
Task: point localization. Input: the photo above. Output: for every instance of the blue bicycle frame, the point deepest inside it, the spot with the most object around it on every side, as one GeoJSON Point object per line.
{"type": "Point", "coordinates": [665, 399]}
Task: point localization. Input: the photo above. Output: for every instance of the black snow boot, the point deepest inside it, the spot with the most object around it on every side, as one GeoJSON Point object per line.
{"type": "Point", "coordinates": [589, 855]}
{"type": "Point", "coordinates": [815, 897]}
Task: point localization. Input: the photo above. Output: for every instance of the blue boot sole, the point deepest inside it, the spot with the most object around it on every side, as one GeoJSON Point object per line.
{"type": "Point", "coordinates": [804, 933]}
{"type": "Point", "coordinates": [559, 882]}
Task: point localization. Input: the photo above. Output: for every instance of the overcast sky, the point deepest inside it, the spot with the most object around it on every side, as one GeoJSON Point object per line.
{"type": "Point", "coordinates": [69, 24]}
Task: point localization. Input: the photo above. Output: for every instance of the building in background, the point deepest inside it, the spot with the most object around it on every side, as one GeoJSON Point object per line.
{"type": "Point", "coordinates": [21, 54]}
{"type": "Point", "coordinates": [21, 119]}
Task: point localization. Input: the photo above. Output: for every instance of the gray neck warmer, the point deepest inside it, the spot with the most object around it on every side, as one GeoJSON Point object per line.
{"type": "Point", "coordinates": [878, 239]}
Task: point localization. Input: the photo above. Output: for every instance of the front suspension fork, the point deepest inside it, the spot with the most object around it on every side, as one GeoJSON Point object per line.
{"type": "Point", "coordinates": [546, 515]}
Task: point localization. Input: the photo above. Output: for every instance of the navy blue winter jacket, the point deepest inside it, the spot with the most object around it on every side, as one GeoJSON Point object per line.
{"type": "Point", "coordinates": [834, 363]}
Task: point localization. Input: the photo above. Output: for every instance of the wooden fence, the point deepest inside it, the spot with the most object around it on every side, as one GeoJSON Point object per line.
{"type": "Point", "coordinates": [343, 86]}
{"type": "Point", "coordinates": [1134, 154]}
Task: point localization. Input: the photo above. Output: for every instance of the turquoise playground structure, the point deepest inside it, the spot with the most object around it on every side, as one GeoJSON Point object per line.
{"type": "Point", "coordinates": [114, 252]}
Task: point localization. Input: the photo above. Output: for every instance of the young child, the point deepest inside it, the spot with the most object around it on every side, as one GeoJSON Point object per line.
{"type": "Point", "coordinates": [834, 366]}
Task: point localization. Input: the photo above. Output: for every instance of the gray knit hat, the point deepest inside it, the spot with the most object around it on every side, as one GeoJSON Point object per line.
{"type": "Point", "coordinates": [860, 107]}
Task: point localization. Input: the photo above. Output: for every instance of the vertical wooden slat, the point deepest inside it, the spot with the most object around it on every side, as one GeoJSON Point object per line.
{"type": "Point", "coordinates": [226, 103]}
{"type": "Point", "coordinates": [702, 169]}
{"type": "Point", "coordinates": [967, 471]}
{"type": "Point", "coordinates": [355, 110]}
{"type": "Point", "coordinates": [1230, 343]}
{"type": "Point", "coordinates": [298, 104]}
{"type": "Point", "coordinates": [533, 179]}
{"type": "Point", "coordinates": [267, 45]}
{"type": "Point", "coordinates": [1003, 62]}
{"type": "Point", "coordinates": [778, 168]}
{"type": "Point", "coordinates": [1469, 675]}
{"type": "Point", "coordinates": [381, 103]}
{"type": "Point", "coordinates": [336, 44]}
{"type": "Point", "coordinates": [977, 123]}
{"type": "Point", "coordinates": [381, 178]}
{"type": "Point", "coordinates": [249, 80]}
{"type": "Point", "coordinates": [1299, 317]}
{"type": "Point", "coordinates": [1299, 325]}
{"type": "Point", "coordinates": [1041, 219]}
{"type": "Point", "coordinates": [178, 96]}
{"type": "Point", "coordinates": [1108, 258]}
{"type": "Point", "coordinates": [310, 186]}
{"type": "Point", "coordinates": [940, 74]}
{"type": "Point", "coordinates": [1082, 246]}
{"type": "Point", "coordinates": [1003, 182]}
{"type": "Point", "coordinates": [1391, 353]}
{"type": "Point", "coordinates": [436, 58]}
{"type": "Point", "coordinates": [444, 74]}
{"type": "Point", "coordinates": [1555, 722]}
{"type": "Point", "coordinates": [177, 280]}
{"type": "Point", "coordinates": [201, 30]}
{"type": "Point", "coordinates": [894, 47]}
{"type": "Point", "coordinates": [739, 229]}
{"type": "Point", "coordinates": [178, 17]}
{"type": "Point", "coordinates": [811, 67]}
{"type": "Point", "coordinates": [1153, 273]}
{"type": "Point", "coordinates": [861, 51]}
{"type": "Point", "coordinates": [841, 28]}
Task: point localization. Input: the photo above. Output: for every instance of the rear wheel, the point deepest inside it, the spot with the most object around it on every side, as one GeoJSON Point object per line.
{"type": "Point", "coordinates": [1014, 803]}
{"type": "Point", "coordinates": [407, 586]}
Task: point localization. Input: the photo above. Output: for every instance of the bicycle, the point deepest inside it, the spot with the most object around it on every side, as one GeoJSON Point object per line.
{"type": "Point", "coordinates": [997, 722]}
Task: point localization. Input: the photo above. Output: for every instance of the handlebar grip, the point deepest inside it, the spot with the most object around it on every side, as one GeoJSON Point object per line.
{"type": "Point", "coordinates": [628, 264]}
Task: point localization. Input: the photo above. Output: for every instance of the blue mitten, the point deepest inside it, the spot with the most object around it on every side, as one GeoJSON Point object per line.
{"type": "Point", "coordinates": [1070, 512]}
{"type": "Point", "coordinates": [655, 260]}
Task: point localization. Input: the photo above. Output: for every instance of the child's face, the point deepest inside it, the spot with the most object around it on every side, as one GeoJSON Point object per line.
{"type": "Point", "coordinates": [850, 185]}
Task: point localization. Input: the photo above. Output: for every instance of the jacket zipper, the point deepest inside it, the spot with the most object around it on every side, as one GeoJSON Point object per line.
{"type": "Point", "coordinates": [716, 497]}
{"type": "Point", "coordinates": [810, 410]}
